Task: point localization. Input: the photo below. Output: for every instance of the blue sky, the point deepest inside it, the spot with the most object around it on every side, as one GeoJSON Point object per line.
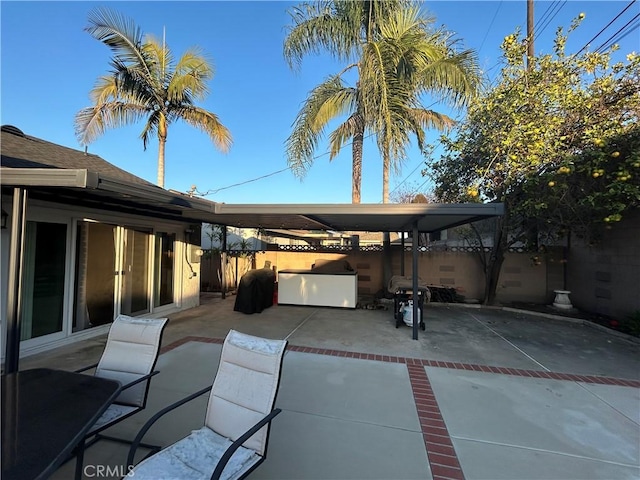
{"type": "Point", "coordinates": [49, 64]}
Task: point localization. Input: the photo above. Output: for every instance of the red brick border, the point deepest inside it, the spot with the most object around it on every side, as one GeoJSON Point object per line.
{"type": "Point", "coordinates": [182, 341]}
{"type": "Point", "coordinates": [571, 377]}
{"type": "Point", "coordinates": [441, 453]}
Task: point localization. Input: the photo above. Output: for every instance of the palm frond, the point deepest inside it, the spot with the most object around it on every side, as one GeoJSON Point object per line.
{"type": "Point", "coordinates": [159, 62]}
{"type": "Point", "coordinates": [119, 33]}
{"type": "Point", "coordinates": [105, 90]}
{"type": "Point", "coordinates": [325, 102]}
{"type": "Point", "coordinates": [455, 79]}
{"type": "Point", "coordinates": [317, 27]}
{"type": "Point", "coordinates": [90, 123]}
{"type": "Point", "coordinates": [150, 129]}
{"type": "Point", "coordinates": [189, 81]}
{"type": "Point", "coordinates": [206, 122]}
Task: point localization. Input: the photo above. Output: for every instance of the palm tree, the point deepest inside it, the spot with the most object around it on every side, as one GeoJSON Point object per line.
{"type": "Point", "coordinates": [146, 83]}
{"type": "Point", "coordinates": [398, 60]}
{"type": "Point", "coordinates": [408, 63]}
{"type": "Point", "coordinates": [340, 28]}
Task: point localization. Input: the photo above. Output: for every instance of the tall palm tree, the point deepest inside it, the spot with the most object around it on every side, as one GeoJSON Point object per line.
{"type": "Point", "coordinates": [398, 59]}
{"type": "Point", "coordinates": [146, 83]}
{"type": "Point", "coordinates": [410, 62]}
{"type": "Point", "coordinates": [340, 28]}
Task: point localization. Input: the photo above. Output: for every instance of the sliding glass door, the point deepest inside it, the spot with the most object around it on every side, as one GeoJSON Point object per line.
{"type": "Point", "coordinates": [164, 269]}
{"type": "Point", "coordinates": [134, 292]}
{"type": "Point", "coordinates": [95, 274]}
{"type": "Point", "coordinates": [116, 272]}
{"type": "Point", "coordinates": [43, 279]}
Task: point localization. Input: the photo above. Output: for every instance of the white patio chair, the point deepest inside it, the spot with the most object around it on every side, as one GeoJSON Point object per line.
{"type": "Point", "coordinates": [234, 438]}
{"type": "Point", "coordinates": [129, 357]}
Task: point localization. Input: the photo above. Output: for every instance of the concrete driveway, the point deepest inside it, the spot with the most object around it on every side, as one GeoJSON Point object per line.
{"type": "Point", "coordinates": [483, 394]}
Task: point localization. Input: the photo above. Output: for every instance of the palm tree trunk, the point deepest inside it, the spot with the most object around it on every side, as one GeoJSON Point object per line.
{"type": "Point", "coordinates": [385, 177]}
{"type": "Point", "coordinates": [386, 239]}
{"type": "Point", "coordinates": [162, 142]}
{"type": "Point", "coordinates": [356, 179]}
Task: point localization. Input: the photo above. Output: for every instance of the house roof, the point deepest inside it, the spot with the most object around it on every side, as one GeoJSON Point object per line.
{"type": "Point", "coordinates": [23, 151]}
{"type": "Point", "coordinates": [63, 175]}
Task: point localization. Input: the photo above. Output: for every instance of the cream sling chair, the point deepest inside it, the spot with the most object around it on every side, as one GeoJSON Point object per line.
{"type": "Point", "coordinates": [233, 440]}
{"type": "Point", "coordinates": [129, 357]}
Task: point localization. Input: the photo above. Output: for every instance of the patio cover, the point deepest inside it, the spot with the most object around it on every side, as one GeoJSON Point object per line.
{"type": "Point", "coordinates": [90, 189]}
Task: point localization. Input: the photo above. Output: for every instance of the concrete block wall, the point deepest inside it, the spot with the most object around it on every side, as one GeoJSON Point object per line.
{"type": "Point", "coordinates": [458, 270]}
{"type": "Point", "coordinates": [521, 279]}
{"type": "Point", "coordinates": [367, 264]}
{"type": "Point", "coordinates": [605, 278]}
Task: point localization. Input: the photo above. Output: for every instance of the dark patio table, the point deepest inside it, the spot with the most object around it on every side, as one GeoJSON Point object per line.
{"type": "Point", "coordinates": [45, 414]}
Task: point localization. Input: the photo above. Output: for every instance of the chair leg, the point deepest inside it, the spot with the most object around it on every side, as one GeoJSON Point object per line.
{"type": "Point", "coordinates": [79, 460]}
{"type": "Point", "coordinates": [78, 452]}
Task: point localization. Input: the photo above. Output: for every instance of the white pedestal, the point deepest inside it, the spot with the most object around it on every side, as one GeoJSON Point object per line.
{"type": "Point", "coordinates": [562, 300]}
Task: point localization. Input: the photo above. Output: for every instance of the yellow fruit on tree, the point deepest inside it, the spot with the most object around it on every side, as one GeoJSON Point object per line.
{"type": "Point", "coordinates": [615, 154]}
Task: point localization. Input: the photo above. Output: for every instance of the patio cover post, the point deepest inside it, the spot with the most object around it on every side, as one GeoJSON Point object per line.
{"type": "Point", "coordinates": [14, 290]}
{"type": "Point", "coordinates": [402, 253]}
{"type": "Point", "coordinates": [223, 263]}
{"type": "Point", "coordinates": [414, 277]}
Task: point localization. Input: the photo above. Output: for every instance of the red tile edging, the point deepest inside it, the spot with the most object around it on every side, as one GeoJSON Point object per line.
{"type": "Point", "coordinates": [441, 453]}
{"type": "Point", "coordinates": [182, 341]}
{"type": "Point", "coordinates": [571, 377]}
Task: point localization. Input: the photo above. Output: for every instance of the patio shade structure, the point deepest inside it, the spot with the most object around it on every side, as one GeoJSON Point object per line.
{"type": "Point", "coordinates": [74, 186]}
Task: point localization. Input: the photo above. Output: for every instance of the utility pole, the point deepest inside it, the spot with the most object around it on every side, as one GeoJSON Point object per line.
{"type": "Point", "coordinates": [529, 34]}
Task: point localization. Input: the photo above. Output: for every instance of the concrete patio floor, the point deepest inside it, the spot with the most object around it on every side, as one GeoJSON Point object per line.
{"type": "Point", "coordinates": [483, 394]}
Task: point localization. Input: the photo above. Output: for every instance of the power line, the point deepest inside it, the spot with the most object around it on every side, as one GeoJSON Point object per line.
{"type": "Point", "coordinates": [417, 190]}
{"type": "Point", "coordinates": [612, 39]}
{"type": "Point", "coordinates": [406, 178]}
{"type": "Point", "coordinates": [490, 25]}
{"type": "Point", "coordinates": [634, 27]}
{"type": "Point", "coordinates": [550, 18]}
{"type": "Point", "coordinates": [544, 16]}
{"type": "Point", "coordinates": [606, 26]}
{"type": "Point", "coordinates": [213, 191]}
